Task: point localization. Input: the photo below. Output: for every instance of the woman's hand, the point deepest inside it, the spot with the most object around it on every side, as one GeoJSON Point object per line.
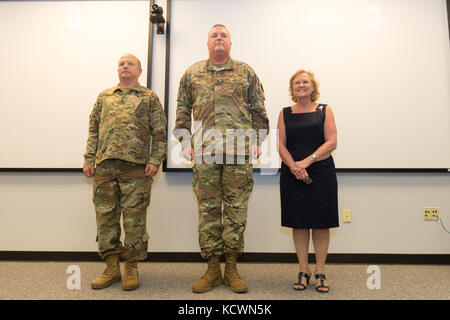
{"type": "Point", "coordinates": [298, 169]}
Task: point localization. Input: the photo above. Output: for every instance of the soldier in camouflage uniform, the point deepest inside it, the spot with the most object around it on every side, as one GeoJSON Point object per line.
{"type": "Point", "coordinates": [222, 94]}
{"type": "Point", "coordinates": [118, 156]}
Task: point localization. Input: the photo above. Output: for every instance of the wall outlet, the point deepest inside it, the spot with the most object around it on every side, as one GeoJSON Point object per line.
{"type": "Point", "coordinates": [346, 215]}
{"type": "Point", "coordinates": [430, 213]}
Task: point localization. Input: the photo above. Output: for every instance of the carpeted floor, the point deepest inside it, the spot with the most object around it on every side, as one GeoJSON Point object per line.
{"type": "Point", "coordinates": [172, 281]}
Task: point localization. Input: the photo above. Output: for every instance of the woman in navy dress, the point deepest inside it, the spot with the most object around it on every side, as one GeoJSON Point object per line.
{"type": "Point", "coordinates": [308, 184]}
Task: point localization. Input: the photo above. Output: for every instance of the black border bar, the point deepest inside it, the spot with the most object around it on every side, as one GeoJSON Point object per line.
{"type": "Point", "coordinates": [248, 257]}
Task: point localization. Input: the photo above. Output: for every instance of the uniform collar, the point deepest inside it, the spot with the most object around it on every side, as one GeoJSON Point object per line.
{"type": "Point", "coordinates": [137, 88]}
{"type": "Point", "coordinates": [227, 66]}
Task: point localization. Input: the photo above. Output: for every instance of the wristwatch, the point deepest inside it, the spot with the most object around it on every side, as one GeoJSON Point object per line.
{"type": "Point", "coordinates": [314, 156]}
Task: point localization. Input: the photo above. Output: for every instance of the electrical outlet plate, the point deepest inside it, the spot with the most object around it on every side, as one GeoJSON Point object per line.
{"type": "Point", "coordinates": [430, 213]}
{"type": "Point", "coordinates": [346, 215]}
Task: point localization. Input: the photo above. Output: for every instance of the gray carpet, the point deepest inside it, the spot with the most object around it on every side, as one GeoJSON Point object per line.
{"type": "Point", "coordinates": [170, 281]}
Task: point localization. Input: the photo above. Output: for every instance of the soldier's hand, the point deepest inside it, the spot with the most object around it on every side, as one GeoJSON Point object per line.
{"type": "Point", "coordinates": [188, 153]}
{"type": "Point", "coordinates": [255, 151]}
{"type": "Point", "coordinates": [150, 170]}
{"type": "Point", "coordinates": [89, 171]}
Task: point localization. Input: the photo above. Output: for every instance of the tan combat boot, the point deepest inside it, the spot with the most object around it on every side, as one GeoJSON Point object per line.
{"type": "Point", "coordinates": [212, 277]}
{"type": "Point", "coordinates": [110, 275]}
{"type": "Point", "coordinates": [231, 277]}
{"type": "Point", "coordinates": [130, 279]}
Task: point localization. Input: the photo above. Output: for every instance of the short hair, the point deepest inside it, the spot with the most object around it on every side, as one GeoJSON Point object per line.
{"type": "Point", "coordinates": [314, 95]}
{"type": "Point", "coordinates": [219, 25]}
{"type": "Point", "coordinates": [139, 63]}
{"type": "Point", "coordinates": [132, 55]}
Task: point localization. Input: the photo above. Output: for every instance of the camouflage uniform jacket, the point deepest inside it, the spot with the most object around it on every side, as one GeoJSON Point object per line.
{"type": "Point", "coordinates": [221, 97]}
{"type": "Point", "coordinates": [121, 125]}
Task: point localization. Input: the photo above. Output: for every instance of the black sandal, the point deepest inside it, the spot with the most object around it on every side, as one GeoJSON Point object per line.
{"type": "Point", "coordinates": [322, 283]}
{"type": "Point", "coordinates": [299, 283]}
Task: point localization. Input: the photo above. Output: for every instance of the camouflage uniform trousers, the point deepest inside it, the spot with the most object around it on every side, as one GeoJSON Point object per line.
{"type": "Point", "coordinates": [216, 185]}
{"type": "Point", "coordinates": [121, 187]}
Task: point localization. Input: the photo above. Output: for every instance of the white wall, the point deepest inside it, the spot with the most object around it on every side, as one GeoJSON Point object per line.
{"type": "Point", "coordinates": [54, 212]}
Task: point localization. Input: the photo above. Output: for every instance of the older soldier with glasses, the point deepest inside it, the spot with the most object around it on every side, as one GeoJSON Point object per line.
{"type": "Point", "coordinates": [122, 123]}
{"type": "Point", "coordinates": [225, 98]}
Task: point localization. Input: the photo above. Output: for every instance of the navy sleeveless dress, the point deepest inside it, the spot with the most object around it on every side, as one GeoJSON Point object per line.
{"type": "Point", "coordinates": [304, 205]}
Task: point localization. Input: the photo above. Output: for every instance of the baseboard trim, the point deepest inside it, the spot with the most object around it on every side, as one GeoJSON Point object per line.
{"type": "Point", "coordinates": [256, 257]}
